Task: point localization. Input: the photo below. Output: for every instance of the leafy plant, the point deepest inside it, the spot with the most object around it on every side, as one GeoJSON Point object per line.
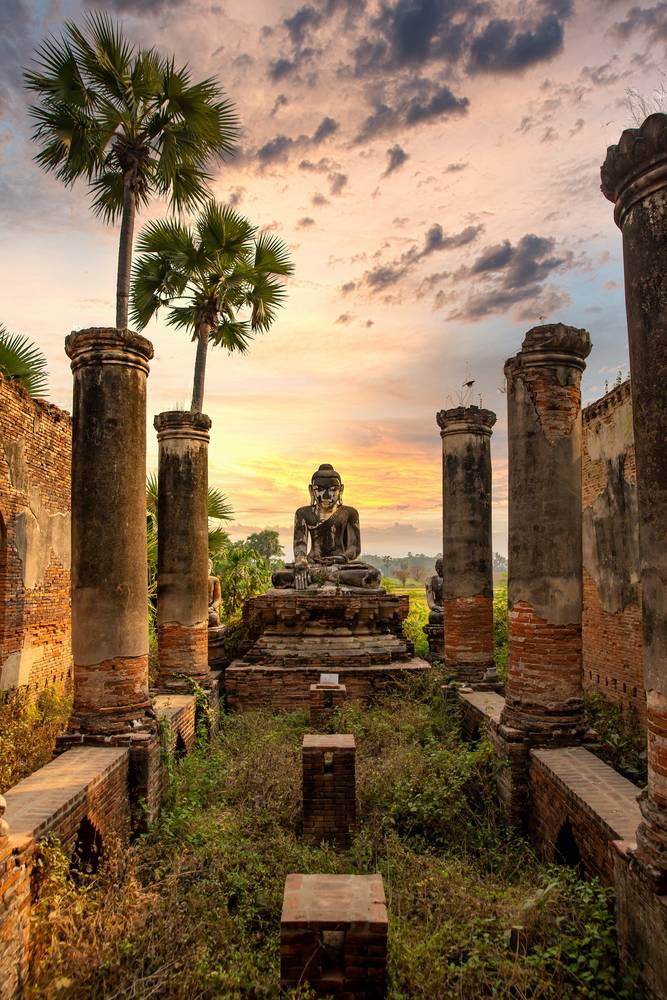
{"type": "Point", "coordinates": [128, 122]}
{"type": "Point", "coordinates": [21, 361]}
{"type": "Point", "coordinates": [243, 573]}
{"type": "Point", "coordinates": [207, 278]}
{"type": "Point", "coordinates": [621, 738]}
{"type": "Point", "coordinates": [500, 628]}
{"type": "Point", "coordinates": [29, 726]}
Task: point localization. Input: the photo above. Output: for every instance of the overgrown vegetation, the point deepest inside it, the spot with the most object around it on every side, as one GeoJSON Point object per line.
{"type": "Point", "coordinates": [28, 730]}
{"type": "Point", "coordinates": [193, 908]}
{"type": "Point", "coordinates": [621, 738]}
{"type": "Point", "coordinates": [500, 628]}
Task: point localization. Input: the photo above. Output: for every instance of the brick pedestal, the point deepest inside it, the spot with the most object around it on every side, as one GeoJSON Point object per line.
{"type": "Point", "coordinates": [329, 793]}
{"type": "Point", "coordinates": [325, 700]}
{"type": "Point", "coordinates": [333, 936]}
{"type": "Point", "coordinates": [467, 553]}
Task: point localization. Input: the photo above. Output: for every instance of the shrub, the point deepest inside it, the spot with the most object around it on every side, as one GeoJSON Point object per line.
{"type": "Point", "coordinates": [500, 628]}
{"type": "Point", "coordinates": [29, 726]}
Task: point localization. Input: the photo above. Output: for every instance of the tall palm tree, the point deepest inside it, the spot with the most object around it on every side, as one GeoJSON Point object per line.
{"type": "Point", "coordinates": [207, 278]}
{"type": "Point", "coordinates": [21, 361]}
{"type": "Point", "coordinates": [127, 121]}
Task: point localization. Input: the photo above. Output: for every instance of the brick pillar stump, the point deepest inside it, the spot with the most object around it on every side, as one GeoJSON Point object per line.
{"type": "Point", "coordinates": [544, 697]}
{"type": "Point", "coordinates": [182, 584]}
{"type": "Point", "coordinates": [329, 792]}
{"type": "Point", "coordinates": [325, 700]}
{"type": "Point", "coordinates": [467, 552]}
{"type": "Point", "coordinates": [109, 561]}
{"type": "Point", "coordinates": [634, 177]}
{"type": "Point", "coordinates": [333, 936]}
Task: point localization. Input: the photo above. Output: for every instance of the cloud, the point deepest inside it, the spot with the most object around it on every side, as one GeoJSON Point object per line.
{"type": "Point", "coordinates": [281, 101]}
{"type": "Point", "coordinates": [455, 168]}
{"type": "Point", "coordinates": [348, 287]}
{"type": "Point", "coordinates": [385, 275]}
{"type": "Point", "coordinates": [142, 7]}
{"type": "Point", "coordinates": [443, 102]}
{"type": "Point", "coordinates": [649, 20]}
{"type": "Point", "coordinates": [318, 199]}
{"type": "Point", "coordinates": [279, 148]}
{"type": "Point", "coordinates": [396, 157]}
{"type": "Point", "coordinates": [337, 182]}
{"type": "Point", "coordinates": [305, 222]}
{"type": "Point", "coordinates": [299, 23]}
{"type": "Point", "coordinates": [236, 196]}
{"type": "Point", "coordinates": [280, 69]}
{"type": "Point", "coordinates": [344, 319]}
{"type": "Point", "coordinates": [506, 46]}
{"type": "Point", "coordinates": [511, 274]}
{"type": "Point", "coordinates": [439, 102]}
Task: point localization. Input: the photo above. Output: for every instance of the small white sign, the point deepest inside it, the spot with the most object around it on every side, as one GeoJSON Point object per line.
{"type": "Point", "coordinates": [328, 678]}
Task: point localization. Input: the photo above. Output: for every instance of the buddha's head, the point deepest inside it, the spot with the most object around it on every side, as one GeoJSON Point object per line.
{"type": "Point", "coordinates": [438, 567]}
{"type": "Point", "coordinates": [326, 489]}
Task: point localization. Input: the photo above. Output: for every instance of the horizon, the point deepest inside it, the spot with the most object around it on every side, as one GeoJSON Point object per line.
{"type": "Point", "coordinates": [437, 180]}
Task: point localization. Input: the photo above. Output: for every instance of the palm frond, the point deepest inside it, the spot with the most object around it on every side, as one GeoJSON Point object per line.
{"type": "Point", "coordinates": [219, 507]}
{"type": "Point", "coordinates": [272, 256]}
{"type": "Point", "coordinates": [151, 493]}
{"type": "Point", "coordinates": [21, 361]}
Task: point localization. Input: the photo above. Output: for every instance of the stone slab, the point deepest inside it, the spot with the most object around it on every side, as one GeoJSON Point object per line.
{"type": "Point", "coordinates": [168, 706]}
{"type": "Point", "coordinates": [328, 741]}
{"type": "Point", "coordinates": [33, 803]}
{"type": "Point", "coordinates": [332, 901]}
{"type": "Point", "coordinates": [487, 703]}
{"type": "Point", "coordinates": [598, 786]}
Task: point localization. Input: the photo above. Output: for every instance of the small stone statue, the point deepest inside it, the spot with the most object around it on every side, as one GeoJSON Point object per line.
{"type": "Point", "coordinates": [434, 597]}
{"type": "Point", "coordinates": [214, 598]}
{"type": "Point", "coordinates": [335, 541]}
{"type": "Point", "coordinates": [4, 825]}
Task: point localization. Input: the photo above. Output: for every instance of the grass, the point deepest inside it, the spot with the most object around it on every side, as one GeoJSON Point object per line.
{"type": "Point", "coordinates": [192, 910]}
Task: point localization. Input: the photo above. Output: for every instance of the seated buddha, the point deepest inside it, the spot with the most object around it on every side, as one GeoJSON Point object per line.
{"type": "Point", "coordinates": [327, 541]}
{"type": "Point", "coordinates": [434, 596]}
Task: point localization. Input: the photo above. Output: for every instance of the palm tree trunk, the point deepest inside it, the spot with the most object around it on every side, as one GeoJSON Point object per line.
{"type": "Point", "coordinates": [203, 332]}
{"type": "Point", "coordinates": [125, 256]}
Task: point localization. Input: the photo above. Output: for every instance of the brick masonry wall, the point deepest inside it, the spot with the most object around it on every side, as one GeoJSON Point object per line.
{"type": "Point", "coordinates": [14, 921]}
{"type": "Point", "coordinates": [611, 621]}
{"type": "Point", "coordinates": [325, 700]}
{"type": "Point", "coordinates": [284, 690]}
{"type": "Point", "coordinates": [35, 459]}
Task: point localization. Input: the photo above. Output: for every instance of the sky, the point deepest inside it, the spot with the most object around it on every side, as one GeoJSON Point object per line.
{"type": "Point", "coordinates": [433, 166]}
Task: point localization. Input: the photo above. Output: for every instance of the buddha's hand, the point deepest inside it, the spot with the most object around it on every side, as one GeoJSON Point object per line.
{"type": "Point", "coordinates": [301, 573]}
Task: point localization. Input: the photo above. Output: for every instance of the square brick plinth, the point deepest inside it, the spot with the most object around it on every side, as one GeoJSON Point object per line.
{"type": "Point", "coordinates": [329, 806]}
{"type": "Point", "coordinates": [333, 935]}
{"type": "Point", "coordinates": [325, 699]}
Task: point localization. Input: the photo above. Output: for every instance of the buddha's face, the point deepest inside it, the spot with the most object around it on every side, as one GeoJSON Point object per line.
{"type": "Point", "coordinates": [326, 494]}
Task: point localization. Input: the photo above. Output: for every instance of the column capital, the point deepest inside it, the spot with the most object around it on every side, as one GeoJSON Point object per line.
{"type": "Point", "coordinates": [106, 345]}
{"type": "Point", "coordinates": [551, 344]}
{"type": "Point", "coordinates": [465, 420]}
{"type": "Point", "coordinates": [636, 166]}
{"type": "Point", "coordinates": [184, 424]}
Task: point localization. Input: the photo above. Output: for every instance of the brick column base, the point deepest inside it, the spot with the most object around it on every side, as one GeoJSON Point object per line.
{"type": "Point", "coordinates": [469, 637]}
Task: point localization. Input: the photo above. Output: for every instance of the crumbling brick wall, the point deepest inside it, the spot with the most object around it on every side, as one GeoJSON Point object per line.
{"type": "Point", "coordinates": [612, 637]}
{"type": "Point", "coordinates": [35, 460]}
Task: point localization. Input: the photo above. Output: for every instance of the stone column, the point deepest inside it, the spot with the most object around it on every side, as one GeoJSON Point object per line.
{"type": "Point", "coordinates": [544, 696]}
{"type": "Point", "coordinates": [109, 562]}
{"type": "Point", "coordinates": [467, 552]}
{"type": "Point", "coordinates": [182, 584]}
{"type": "Point", "coordinates": [634, 177]}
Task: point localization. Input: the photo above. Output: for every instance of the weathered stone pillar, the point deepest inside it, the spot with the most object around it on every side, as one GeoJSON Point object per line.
{"type": "Point", "coordinates": [109, 561]}
{"type": "Point", "coordinates": [544, 696]}
{"type": "Point", "coordinates": [467, 551]}
{"type": "Point", "coordinates": [182, 583]}
{"type": "Point", "coordinates": [634, 177]}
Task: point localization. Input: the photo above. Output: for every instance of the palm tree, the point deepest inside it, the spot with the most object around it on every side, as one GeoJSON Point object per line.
{"type": "Point", "coordinates": [127, 121]}
{"type": "Point", "coordinates": [21, 361]}
{"type": "Point", "coordinates": [206, 278]}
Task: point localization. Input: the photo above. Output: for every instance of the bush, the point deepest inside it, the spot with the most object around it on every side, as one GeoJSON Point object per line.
{"type": "Point", "coordinates": [622, 740]}
{"type": "Point", "coordinates": [500, 628]}
{"type": "Point", "coordinates": [193, 908]}
{"type": "Point", "coordinates": [29, 726]}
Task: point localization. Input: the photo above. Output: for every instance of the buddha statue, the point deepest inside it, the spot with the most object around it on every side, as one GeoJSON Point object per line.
{"type": "Point", "coordinates": [327, 541]}
{"type": "Point", "coordinates": [214, 598]}
{"type": "Point", "coordinates": [434, 596]}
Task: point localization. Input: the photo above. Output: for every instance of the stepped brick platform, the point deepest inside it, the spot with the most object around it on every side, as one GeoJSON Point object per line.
{"type": "Point", "coordinates": [296, 636]}
{"type": "Point", "coordinates": [333, 936]}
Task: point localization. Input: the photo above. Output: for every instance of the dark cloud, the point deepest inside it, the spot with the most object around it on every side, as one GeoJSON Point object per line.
{"type": "Point", "coordinates": [577, 127]}
{"type": "Point", "coordinates": [649, 20]}
{"type": "Point", "coordinates": [142, 7]}
{"type": "Point", "coordinates": [278, 148]}
{"type": "Point", "coordinates": [318, 199]}
{"type": "Point", "coordinates": [455, 168]}
{"type": "Point", "coordinates": [337, 182]}
{"type": "Point", "coordinates": [326, 128]}
{"type": "Point", "coordinates": [503, 47]}
{"type": "Point", "coordinates": [236, 196]}
{"type": "Point", "coordinates": [301, 22]}
{"type": "Point", "coordinates": [443, 102]}
{"type": "Point", "coordinates": [369, 323]}
{"type": "Point", "coordinates": [510, 274]}
{"type": "Point", "coordinates": [344, 319]}
{"type": "Point", "coordinates": [386, 274]}
{"type": "Point", "coordinates": [16, 42]}
{"type": "Point", "coordinates": [281, 68]}
{"type": "Point", "coordinates": [348, 287]}
{"type": "Point", "coordinates": [280, 102]}
{"type": "Point", "coordinates": [305, 223]}
{"type": "Point", "coordinates": [549, 135]}
{"type": "Point", "coordinates": [396, 157]}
